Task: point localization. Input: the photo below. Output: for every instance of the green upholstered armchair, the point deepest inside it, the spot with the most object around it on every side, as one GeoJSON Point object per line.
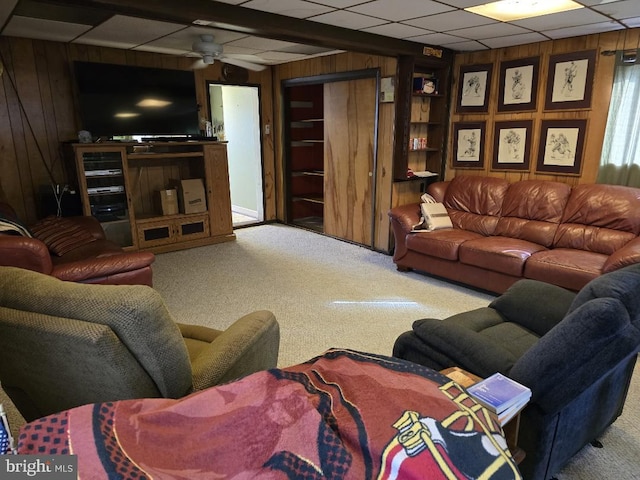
{"type": "Point", "coordinates": [64, 344]}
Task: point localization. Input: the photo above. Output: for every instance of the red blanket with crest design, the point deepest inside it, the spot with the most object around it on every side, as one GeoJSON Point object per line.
{"type": "Point", "coordinates": [342, 415]}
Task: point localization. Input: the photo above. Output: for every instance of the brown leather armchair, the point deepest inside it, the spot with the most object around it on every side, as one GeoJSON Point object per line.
{"type": "Point", "coordinates": [73, 249]}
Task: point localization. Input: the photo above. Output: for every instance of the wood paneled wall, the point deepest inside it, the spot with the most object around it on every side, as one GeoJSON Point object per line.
{"type": "Point", "coordinates": [596, 116]}
{"type": "Point", "coordinates": [334, 64]}
{"type": "Point", "coordinates": [41, 112]}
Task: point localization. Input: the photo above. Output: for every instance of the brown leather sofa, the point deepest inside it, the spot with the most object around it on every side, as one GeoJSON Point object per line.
{"type": "Point", "coordinates": [502, 232]}
{"type": "Point", "coordinates": [73, 249]}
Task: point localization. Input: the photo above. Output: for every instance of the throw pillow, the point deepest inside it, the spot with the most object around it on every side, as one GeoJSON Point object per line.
{"type": "Point", "coordinates": [60, 234]}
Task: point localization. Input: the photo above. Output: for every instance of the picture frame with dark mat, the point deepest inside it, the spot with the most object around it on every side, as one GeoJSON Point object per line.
{"type": "Point", "coordinates": [570, 81]}
{"type": "Point", "coordinates": [561, 146]}
{"type": "Point", "coordinates": [468, 145]}
{"type": "Point", "coordinates": [518, 88]}
{"type": "Point", "coordinates": [512, 145]}
{"type": "Point", "coordinates": [474, 86]}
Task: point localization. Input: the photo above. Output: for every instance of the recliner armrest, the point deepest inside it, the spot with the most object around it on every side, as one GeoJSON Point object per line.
{"type": "Point", "coordinates": [249, 345]}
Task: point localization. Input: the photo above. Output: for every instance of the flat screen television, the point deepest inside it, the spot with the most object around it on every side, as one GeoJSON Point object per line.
{"type": "Point", "coordinates": [123, 100]}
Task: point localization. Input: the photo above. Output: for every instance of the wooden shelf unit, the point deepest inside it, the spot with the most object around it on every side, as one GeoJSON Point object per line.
{"type": "Point", "coordinates": [304, 130]}
{"type": "Point", "coordinates": [421, 116]}
{"type": "Point", "coordinates": [131, 216]}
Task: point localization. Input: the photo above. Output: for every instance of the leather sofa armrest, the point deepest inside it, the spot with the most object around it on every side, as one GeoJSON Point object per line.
{"type": "Point", "coordinates": [90, 268]}
{"type": "Point", "coordinates": [627, 255]}
{"type": "Point", "coordinates": [249, 345]}
{"type": "Point", "coordinates": [25, 252]}
{"type": "Point", "coordinates": [406, 215]}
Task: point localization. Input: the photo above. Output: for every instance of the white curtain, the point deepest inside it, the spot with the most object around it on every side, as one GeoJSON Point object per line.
{"type": "Point", "coordinates": [620, 161]}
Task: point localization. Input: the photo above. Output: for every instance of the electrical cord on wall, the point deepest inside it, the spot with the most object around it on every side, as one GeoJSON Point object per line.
{"type": "Point", "coordinates": [58, 192]}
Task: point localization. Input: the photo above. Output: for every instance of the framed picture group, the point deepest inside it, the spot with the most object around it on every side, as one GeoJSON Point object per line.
{"type": "Point", "coordinates": [558, 143]}
{"type": "Point", "coordinates": [560, 146]}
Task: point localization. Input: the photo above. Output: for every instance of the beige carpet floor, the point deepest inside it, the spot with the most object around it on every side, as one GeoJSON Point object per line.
{"type": "Point", "coordinates": [328, 293]}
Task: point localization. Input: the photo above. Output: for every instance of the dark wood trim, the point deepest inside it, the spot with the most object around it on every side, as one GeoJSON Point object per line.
{"type": "Point", "coordinates": [262, 24]}
{"type": "Point", "coordinates": [404, 84]}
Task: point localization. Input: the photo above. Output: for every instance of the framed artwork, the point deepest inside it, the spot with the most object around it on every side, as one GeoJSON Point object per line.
{"type": "Point", "coordinates": [512, 145]}
{"type": "Point", "coordinates": [474, 84]}
{"type": "Point", "coordinates": [518, 84]}
{"type": "Point", "coordinates": [468, 145]}
{"type": "Point", "coordinates": [387, 89]}
{"type": "Point", "coordinates": [570, 80]}
{"type": "Point", "coordinates": [561, 146]}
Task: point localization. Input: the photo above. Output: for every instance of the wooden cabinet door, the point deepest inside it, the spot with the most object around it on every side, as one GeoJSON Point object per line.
{"type": "Point", "coordinates": [349, 140]}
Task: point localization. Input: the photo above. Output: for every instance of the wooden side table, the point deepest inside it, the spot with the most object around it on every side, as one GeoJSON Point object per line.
{"type": "Point", "coordinates": [511, 428]}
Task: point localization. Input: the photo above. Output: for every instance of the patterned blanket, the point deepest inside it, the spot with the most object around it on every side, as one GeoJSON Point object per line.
{"type": "Point", "coordinates": [342, 415]}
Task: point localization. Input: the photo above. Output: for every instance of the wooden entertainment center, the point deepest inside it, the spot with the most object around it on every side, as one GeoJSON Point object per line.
{"type": "Point", "coordinates": [120, 184]}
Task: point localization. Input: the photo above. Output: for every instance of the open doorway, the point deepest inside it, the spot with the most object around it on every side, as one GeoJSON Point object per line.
{"type": "Point", "coordinates": [235, 117]}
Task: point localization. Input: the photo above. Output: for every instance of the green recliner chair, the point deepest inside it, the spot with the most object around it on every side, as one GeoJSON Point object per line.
{"type": "Point", "coordinates": [64, 344]}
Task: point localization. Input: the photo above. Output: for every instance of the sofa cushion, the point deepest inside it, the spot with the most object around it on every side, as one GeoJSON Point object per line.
{"type": "Point", "coordinates": [532, 210]}
{"type": "Point", "coordinates": [565, 267]}
{"type": "Point", "coordinates": [500, 254]}
{"type": "Point", "coordinates": [599, 218]}
{"type": "Point", "coordinates": [60, 235]}
{"type": "Point", "coordinates": [440, 243]}
{"type": "Point", "coordinates": [474, 203]}
{"type": "Point", "coordinates": [137, 314]}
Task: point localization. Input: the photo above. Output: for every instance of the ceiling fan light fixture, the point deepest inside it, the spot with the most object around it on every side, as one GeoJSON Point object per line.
{"type": "Point", "coordinates": [208, 59]}
{"type": "Point", "coordinates": [510, 10]}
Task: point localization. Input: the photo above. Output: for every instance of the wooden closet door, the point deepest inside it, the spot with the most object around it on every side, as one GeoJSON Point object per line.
{"type": "Point", "coordinates": [349, 139]}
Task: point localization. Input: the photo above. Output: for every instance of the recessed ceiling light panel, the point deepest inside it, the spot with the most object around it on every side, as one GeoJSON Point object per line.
{"type": "Point", "coordinates": [509, 10]}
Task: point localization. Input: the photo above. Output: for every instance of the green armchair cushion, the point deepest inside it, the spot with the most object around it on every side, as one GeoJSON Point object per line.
{"type": "Point", "coordinates": [136, 313]}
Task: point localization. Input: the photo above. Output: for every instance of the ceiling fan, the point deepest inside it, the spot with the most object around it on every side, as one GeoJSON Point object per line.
{"type": "Point", "coordinates": [212, 51]}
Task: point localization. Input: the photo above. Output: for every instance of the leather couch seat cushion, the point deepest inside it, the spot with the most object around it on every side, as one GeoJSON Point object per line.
{"type": "Point", "coordinates": [567, 268]}
{"type": "Point", "coordinates": [500, 254]}
{"type": "Point", "coordinates": [441, 243]}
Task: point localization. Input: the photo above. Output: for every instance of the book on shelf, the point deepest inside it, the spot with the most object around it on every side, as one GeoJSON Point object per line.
{"type": "Point", "coordinates": [500, 394]}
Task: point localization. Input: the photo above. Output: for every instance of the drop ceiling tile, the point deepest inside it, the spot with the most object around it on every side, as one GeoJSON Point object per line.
{"type": "Point", "coordinates": [281, 57]}
{"type": "Point", "coordinates": [619, 10]}
{"type": "Point", "coordinates": [582, 30]}
{"type": "Point", "coordinates": [444, 22]}
{"type": "Point", "coordinates": [396, 30]}
{"type": "Point", "coordinates": [341, 3]}
{"type": "Point", "coordinates": [298, 48]}
{"type": "Point", "coordinates": [632, 22]}
{"type": "Point", "coordinates": [6, 7]}
{"type": "Point", "coordinates": [183, 39]}
{"type": "Point", "coordinates": [501, 42]}
{"type": "Point", "coordinates": [392, 10]}
{"type": "Point", "coordinates": [437, 39]}
{"type": "Point", "coordinates": [489, 31]}
{"type": "Point", "coordinates": [262, 44]}
{"type": "Point", "coordinates": [231, 49]}
{"type": "Point", "coordinates": [561, 20]}
{"type": "Point", "coordinates": [345, 19]}
{"type": "Point", "coordinates": [468, 46]}
{"type": "Point", "coordinates": [463, 3]}
{"type": "Point", "coordinates": [127, 32]}
{"type": "Point", "coordinates": [290, 8]}
{"type": "Point", "coordinates": [41, 29]}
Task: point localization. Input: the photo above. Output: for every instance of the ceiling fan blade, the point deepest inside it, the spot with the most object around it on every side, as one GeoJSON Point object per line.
{"type": "Point", "coordinates": [256, 67]}
{"type": "Point", "coordinates": [198, 64]}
